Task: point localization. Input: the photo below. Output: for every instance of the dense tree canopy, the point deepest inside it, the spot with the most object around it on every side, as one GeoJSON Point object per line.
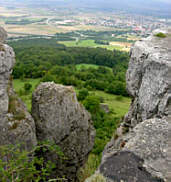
{"type": "Point", "coordinates": [40, 58]}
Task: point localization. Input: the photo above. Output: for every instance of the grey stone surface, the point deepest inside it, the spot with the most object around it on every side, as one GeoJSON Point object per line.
{"type": "Point", "coordinates": [16, 124]}
{"type": "Point", "coordinates": [168, 171]}
{"type": "Point", "coordinates": [147, 79]}
{"type": "Point", "coordinates": [61, 119]}
{"type": "Point", "coordinates": [7, 60]}
{"type": "Point", "coordinates": [105, 107]}
{"type": "Point", "coordinates": [148, 141]}
{"type": "Point", "coordinates": [3, 35]}
{"type": "Point", "coordinates": [125, 166]}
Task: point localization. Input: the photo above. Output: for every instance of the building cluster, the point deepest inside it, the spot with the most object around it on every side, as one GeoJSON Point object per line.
{"type": "Point", "coordinates": [137, 24]}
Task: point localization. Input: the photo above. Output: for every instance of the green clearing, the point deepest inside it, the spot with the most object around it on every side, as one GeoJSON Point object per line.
{"type": "Point", "coordinates": [87, 66]}
{"type": "Point", "coordinates": [19, 85]}
{"type": "Point", "coordinates": [118, 106]}
{"type": "Point", "coordinates": [89, 43]}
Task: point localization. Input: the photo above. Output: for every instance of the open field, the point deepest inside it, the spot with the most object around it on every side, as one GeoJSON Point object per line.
{"type": "Point", "coordinates": [118, 106]}
{"type": "Point", "coordinates": [19, 85]}
{"type": "Point", "coordinates": [125, 45]}
{"type": "Point", "coordinates": [90, 43]}
{"type": "Point", "coordinates": [26, 22]}
{"type": "Point", "coordinates": [86, 66]}
{"type": "Point", "coordinates": [44, 28]}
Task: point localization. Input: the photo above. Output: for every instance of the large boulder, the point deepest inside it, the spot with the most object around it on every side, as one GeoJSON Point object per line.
{"type": "Point", "coordinates": [61, 119]}
{"type": "Point", "coordinates": [140, 150]}
{"type": "Point", "coordinates": [140, 155]}
{"type": "Point", "coordinates": [16, 124]}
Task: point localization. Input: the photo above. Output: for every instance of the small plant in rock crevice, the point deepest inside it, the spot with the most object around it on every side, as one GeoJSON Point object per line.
{"type": "Point", "coordinates": [160, 35]}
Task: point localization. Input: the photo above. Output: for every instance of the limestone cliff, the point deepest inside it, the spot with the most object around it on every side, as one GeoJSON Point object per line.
{"type": "Point", "coordinates": [16, 124]}
{"type": "Point", "coordinates": [139, 150]}
{"type": "Point", "coordinates": [147, 79]}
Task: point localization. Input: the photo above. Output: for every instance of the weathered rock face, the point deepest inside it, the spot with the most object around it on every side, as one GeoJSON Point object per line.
{"type": "Point", "coordinates": [3, 35]}
{"type": "Point", "coordinates": [61, 119]}
{"type": "Point", "coordinates": [16, 124]}
{"type": "Point", "coordinates": [147, 79]}
{"type": "Point", "coordinates": [140, 149]}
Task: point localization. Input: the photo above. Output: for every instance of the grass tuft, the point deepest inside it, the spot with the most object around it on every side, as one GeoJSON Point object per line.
{"type": "Point", "coordinates": [160, 35]}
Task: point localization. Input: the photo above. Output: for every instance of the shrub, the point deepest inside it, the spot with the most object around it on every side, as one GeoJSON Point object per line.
{"type": "Point", "coordinates": [161, 35]}
{"type": "Point", "coordinates": [92, 104]}
{"type": "Point", "coordinates": [83, 93]}
{"type": "Point", "coordinates": [21, 165]}
{"type": "Point", "coordinates": [27, 87]}
{"type": "Point", "coordinates": [48, 78]}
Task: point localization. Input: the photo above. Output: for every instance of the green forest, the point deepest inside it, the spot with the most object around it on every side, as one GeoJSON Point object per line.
{"type": "Point", "coordinates": [50, 61]}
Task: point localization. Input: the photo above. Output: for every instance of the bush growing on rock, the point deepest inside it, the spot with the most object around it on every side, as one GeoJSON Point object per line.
{"type": "Point", "coordinates": [18, 165]}
{"type": "Point", "coordinates": [161, 35]}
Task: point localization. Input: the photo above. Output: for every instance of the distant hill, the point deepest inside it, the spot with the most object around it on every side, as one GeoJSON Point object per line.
{"type": "Point", "coordinates": [147, 7]}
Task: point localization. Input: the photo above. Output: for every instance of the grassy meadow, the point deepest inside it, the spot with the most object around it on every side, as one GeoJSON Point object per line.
{"type": "Point", "coordinates": [87, 66]}
{"type": "Point", "coordinates": [90, 43]}
{"type": "Point", "coordinates": [19, 88]}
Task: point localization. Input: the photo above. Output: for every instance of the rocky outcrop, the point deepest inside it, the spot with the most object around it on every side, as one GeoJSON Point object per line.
{"type": "Point", "coordinates": [139, 150]}
{"type": "Point", "coordinates": [16, 124]}
{"type": "Point", "coordinates": [147, 79]}
{"type": "Point", "coordinates": [61, 119]}
{"type": "Point", "coordinates": [3, 35]}
{"type": "Point", "coordinates": [168, 171]}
